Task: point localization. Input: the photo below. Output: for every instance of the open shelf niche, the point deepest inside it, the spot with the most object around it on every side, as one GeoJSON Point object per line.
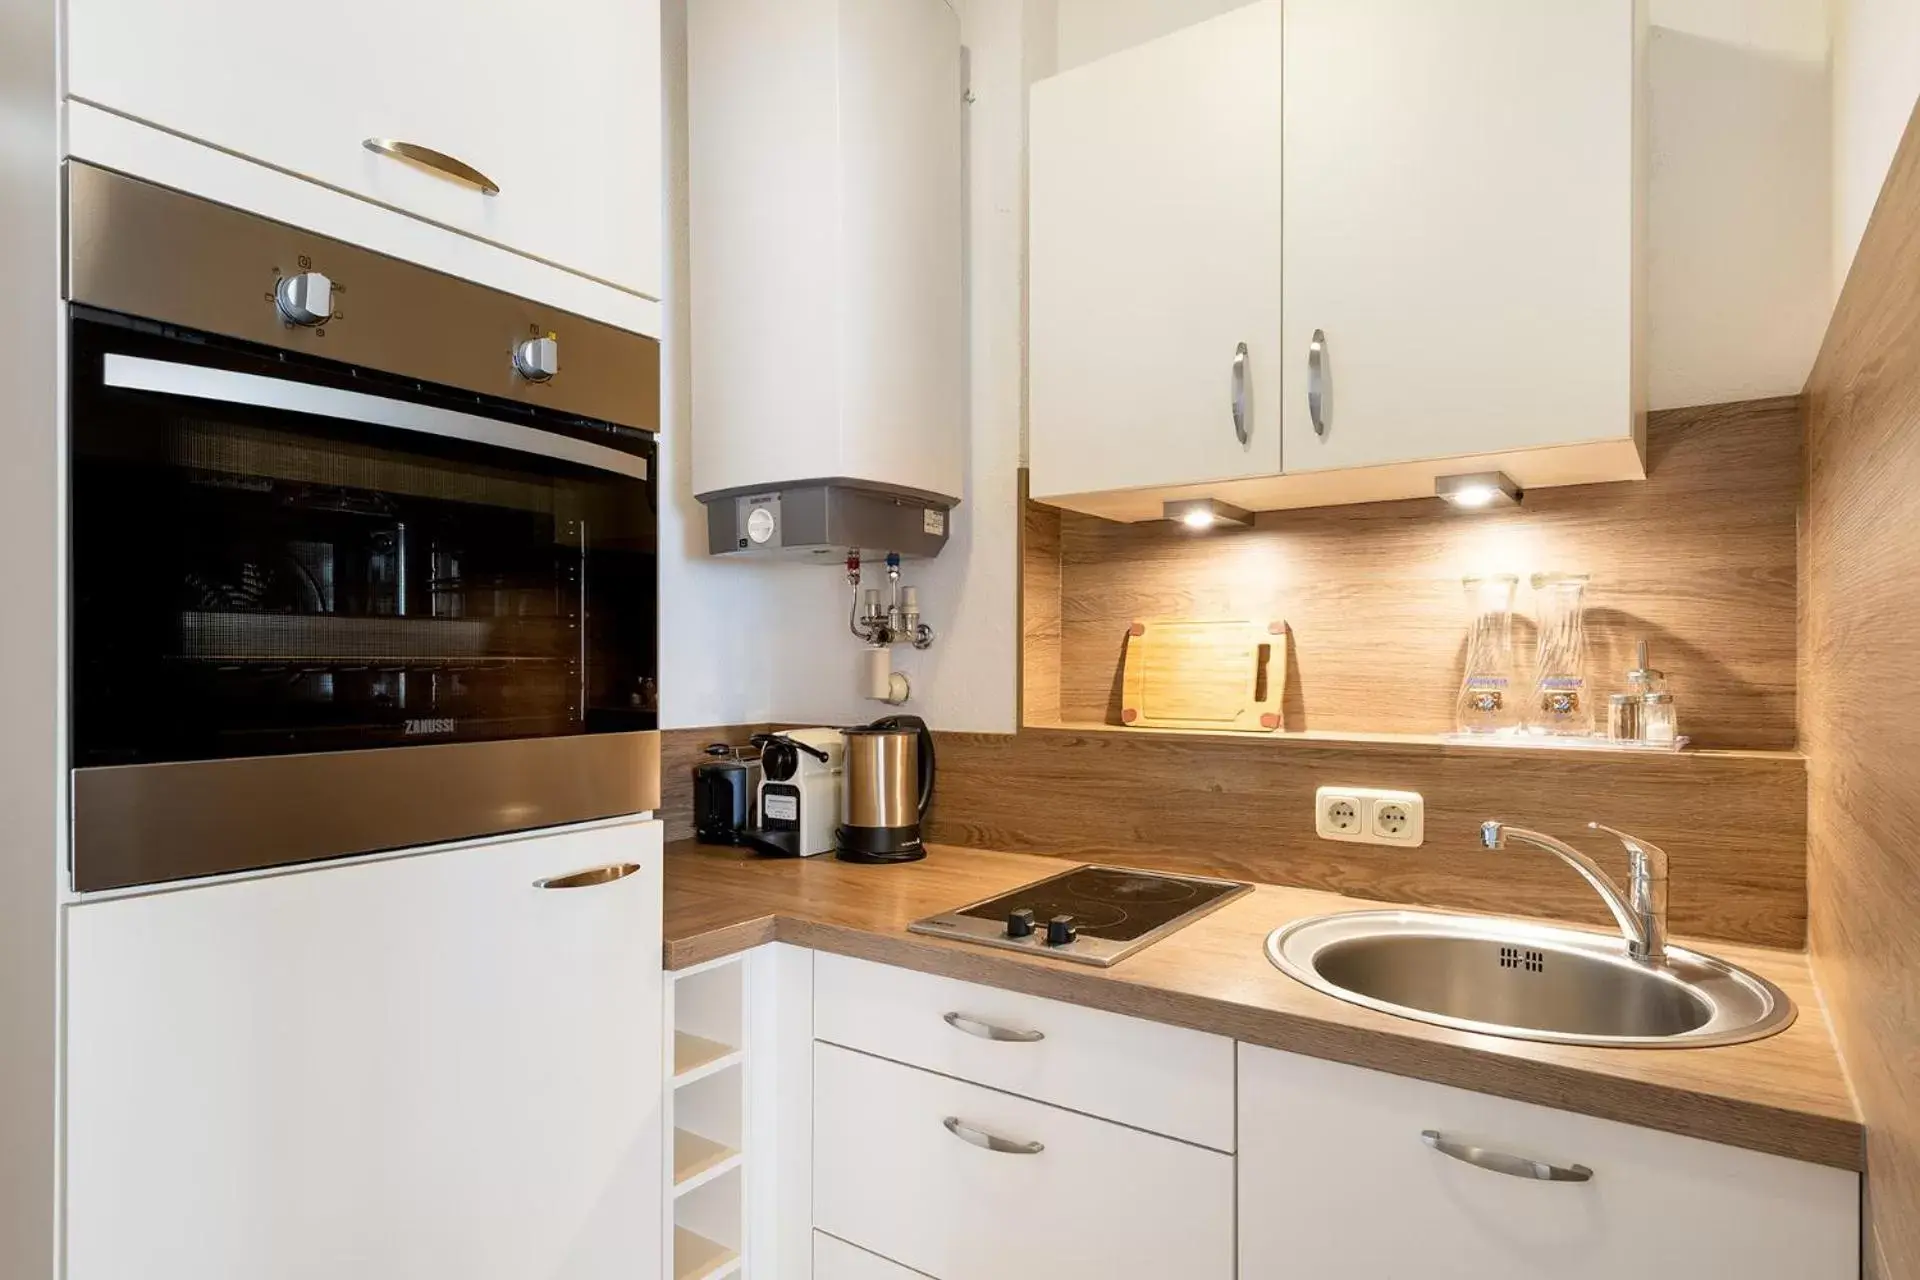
{"type": "Point", "coordinates": [706, 1107]}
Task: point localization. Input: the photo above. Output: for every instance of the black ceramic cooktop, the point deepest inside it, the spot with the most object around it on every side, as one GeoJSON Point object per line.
{"type": "Point", "coordinates": [1107, 902]}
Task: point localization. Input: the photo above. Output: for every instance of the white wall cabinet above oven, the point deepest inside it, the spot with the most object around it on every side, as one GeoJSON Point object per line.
{"type": "Point", "coordinates": [1323, 251]}
{"type": "Point", "coordinates": [426, 1066]}
{"type": "Point", "coordinates": [556, 106]}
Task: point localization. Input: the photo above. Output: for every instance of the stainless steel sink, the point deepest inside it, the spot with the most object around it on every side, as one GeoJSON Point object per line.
{"type": "Point", "coordinates": [1527, 981]}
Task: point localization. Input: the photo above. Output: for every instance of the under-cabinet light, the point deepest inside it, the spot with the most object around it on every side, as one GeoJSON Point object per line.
{"type": "Point", "coordinates": [1479, 490]}
{"type": "Point", "coordinates": [1207, 513]}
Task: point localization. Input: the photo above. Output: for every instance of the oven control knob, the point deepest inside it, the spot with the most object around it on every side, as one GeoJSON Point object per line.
{"type": "Point", "coordinates": [1020, 923]}
{"type": "Point", "coordinates": [537, 359]}
{"type": "Point", "coordinates": [305, 299]}
{"type": "Point", "coordinates": [1061, 930]}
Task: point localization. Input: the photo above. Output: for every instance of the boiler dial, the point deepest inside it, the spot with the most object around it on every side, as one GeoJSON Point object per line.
{"type": "Point", "coordinates": [305, 299]}
{"type": "Point", "coordinates": [760, 526]}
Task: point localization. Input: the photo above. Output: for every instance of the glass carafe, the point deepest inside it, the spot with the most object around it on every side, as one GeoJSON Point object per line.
{"type": "Point", "coordinates": [1562, 701]}
{"type": "Point", "coordinates": [1488, 702]}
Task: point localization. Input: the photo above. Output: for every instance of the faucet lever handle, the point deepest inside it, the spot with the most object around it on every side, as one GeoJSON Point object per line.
{"type": "Point", "coordinates": [1648, 859]}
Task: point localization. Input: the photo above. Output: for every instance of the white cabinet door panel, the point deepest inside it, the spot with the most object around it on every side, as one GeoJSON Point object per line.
{"type": "Point", "coordinates": [1459, 223]}
{"type": "Point", "coordinates": [837, 1260]}
{"type": "Point", "coordinates": [559, 106]}
{"type": "Point", "coordinates": [423, 1066]}
{"type": "Point", "coordinates": [1097, 1201]}
{"type": "Point", "coordinates": [1335, 1180]}
{"type": "Point", "coordinates": [1155, 252]}
{"type": "Point", "coordinates": [1168, 1080]}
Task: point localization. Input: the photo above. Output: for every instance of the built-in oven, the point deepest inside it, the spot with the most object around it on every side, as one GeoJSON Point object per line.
{"type": "Point", "coordinates": [355, 561]}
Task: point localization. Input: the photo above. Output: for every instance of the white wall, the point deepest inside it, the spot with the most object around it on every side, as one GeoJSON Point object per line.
{"type": "Point", "coordinates": [1876, 79]}
{"type": "Point", "coordinates": [715, 657]}
{"type": "Point", "coordinates": [1737, 211]}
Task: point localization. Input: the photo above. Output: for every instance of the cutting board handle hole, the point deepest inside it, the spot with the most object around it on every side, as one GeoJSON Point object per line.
{"type": "Point", "coordinates": [1262, 662]}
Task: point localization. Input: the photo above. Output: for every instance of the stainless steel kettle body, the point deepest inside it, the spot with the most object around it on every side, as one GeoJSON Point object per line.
{"type": "Point", "coordinates": [887, 786]}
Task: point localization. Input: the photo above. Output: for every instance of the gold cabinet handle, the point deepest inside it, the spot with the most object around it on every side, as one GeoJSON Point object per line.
{"type": "Point", "coordinates": [587, 879]}
{"type": "Point", "coordinates": [438, 161]}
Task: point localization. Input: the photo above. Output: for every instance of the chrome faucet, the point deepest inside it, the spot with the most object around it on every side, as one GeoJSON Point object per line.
{"type": "Point", "coordinates": [1641, 911]}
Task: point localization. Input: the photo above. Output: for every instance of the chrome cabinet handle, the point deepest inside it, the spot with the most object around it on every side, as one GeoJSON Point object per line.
{"type": "Point", "coordinates": [587, 879]}
{"type": "Point", "coordinates": [1319, 383]}
{"type": "Point", "coordinates": [988, 1141]}
{"type": "Point", "coordinates": [1241, 429]}
{"type": "Point", "coordinates": [1501, 1162]}
{"type": "Point", "coordinates": [439, 161]}
{"type": "Point", "coordinates": [988, 1031]}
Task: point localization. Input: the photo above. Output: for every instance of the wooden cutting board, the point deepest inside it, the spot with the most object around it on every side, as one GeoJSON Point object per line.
{"type": "Point", "coordinates": [1188, 673]}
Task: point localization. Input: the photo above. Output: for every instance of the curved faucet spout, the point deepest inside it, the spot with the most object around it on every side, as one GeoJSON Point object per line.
{"type": "Point", "coordinates": [1643, 927]}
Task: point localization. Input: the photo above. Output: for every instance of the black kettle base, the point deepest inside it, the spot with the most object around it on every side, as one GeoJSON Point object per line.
{"type": "Point", "coordinates": [879, 845]}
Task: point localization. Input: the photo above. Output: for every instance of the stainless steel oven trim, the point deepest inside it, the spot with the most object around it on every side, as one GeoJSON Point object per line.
{"type": "Point", "coordinates": [138, 249]}
{"type": "Point", "coordinates": [199, 382]}
{"type": "Point", "coordinates": [153, 823]}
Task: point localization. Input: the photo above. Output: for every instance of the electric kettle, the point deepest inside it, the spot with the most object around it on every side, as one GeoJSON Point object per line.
{"type": "Point", "coordinates": [886, 787]}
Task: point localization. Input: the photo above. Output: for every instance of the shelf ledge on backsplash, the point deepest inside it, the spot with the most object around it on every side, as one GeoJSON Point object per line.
{"type": "Point", "coordinates": [1435, 743]}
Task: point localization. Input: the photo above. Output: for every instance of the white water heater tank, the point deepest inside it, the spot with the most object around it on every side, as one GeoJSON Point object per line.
{"type": "Point", "coordinates": [827, 207]}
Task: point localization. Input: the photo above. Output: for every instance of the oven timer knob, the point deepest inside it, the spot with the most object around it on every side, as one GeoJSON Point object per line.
{"type": "Point", "coordinates": [305, 299]}
{"type": "Point", "coordinates": [537, 359]}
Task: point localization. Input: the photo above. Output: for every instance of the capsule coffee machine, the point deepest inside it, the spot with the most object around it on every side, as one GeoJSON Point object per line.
{"type": "Point", "coordinates": [799, 792]}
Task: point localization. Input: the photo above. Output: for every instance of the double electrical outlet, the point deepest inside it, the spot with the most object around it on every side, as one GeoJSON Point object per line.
{"type": "Point", "coordinates": [1369, 815]}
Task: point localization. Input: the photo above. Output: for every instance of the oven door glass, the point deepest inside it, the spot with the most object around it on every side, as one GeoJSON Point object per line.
{"type": "Point", "coordinates": [272, 555]}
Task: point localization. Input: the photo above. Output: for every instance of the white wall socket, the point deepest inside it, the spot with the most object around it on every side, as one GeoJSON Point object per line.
{"type": "Point", "coordinates": [1370, 815]}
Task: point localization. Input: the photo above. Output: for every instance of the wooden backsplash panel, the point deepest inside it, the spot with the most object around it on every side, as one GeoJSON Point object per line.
{"type": "Point", "coordinates": [1734, 824]}
{"type": "Point", "coordinates": [1699, 560]}
{"type": "Point", "coordinates": [1862, 691]}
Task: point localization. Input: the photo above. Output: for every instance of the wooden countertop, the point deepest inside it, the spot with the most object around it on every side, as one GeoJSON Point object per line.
{"type": "Point", "coordinates": [1785, 1095]}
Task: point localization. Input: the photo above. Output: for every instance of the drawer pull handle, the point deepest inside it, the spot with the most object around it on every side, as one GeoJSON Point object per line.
{"type": "Point", "coordinates": [1319, 384]}
{"type": "Point", "coordinates": [1501, 1162]}
{"type": "Point", "coordinates": [1241, 429]}
{"type": "Point", "coordinates": [587, 879]}
{"type": "Point", "coordinates": [988, 1141]}
{"type": "Point", "coordinates": [438, 161]}
{"type": "Point", "coordinates": [987, 1031]}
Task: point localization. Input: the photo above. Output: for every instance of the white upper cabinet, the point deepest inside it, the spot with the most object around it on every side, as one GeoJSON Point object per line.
{"type": "Point", "coordinates": [1420, 218]}
{"type": "Point", "coordinates": [1459, 226]}
{"type": "Point", "coordinates": [1154, 285]}
{"type": "Point", "coordinates": [558, 106]}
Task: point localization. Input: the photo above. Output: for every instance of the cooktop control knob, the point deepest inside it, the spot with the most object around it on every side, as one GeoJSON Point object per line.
{"type": "Point", "coordinates": [1061, 930]}
{"type": "Point", "coordinates": [537, 359]}
{"type": "Point", "coordinates": [305, 299]}
{"type": "Point", "coordinates": [1020, 923]}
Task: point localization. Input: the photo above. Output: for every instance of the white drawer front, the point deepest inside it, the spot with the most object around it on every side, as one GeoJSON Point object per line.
{"type": "Point", "coordinates": [1335, 1180]}
{"type": "Point", "coordinates": [1098, 1200]}
{"type": "Point", "coordinates": [837, 1260]}
{"type": "Point", "coordinates": [1163, 1079]}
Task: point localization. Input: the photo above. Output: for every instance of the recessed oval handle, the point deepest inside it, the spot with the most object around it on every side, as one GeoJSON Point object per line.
{"type": "Point", "coordinates": [1319, 383]}
{"type": "Point", "coordinates": [439, 161]}
{"type": "Point", "coordinates": [590, 877]}
{"type": "Point", "coordinates": [1242, 429]}
{"type": "Point", "coordinates": [1503, 1162]}
{"type": "Point", "coordinates": [988, 1031]}
{"type": "Point", "coordinates": [990, 1141]}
